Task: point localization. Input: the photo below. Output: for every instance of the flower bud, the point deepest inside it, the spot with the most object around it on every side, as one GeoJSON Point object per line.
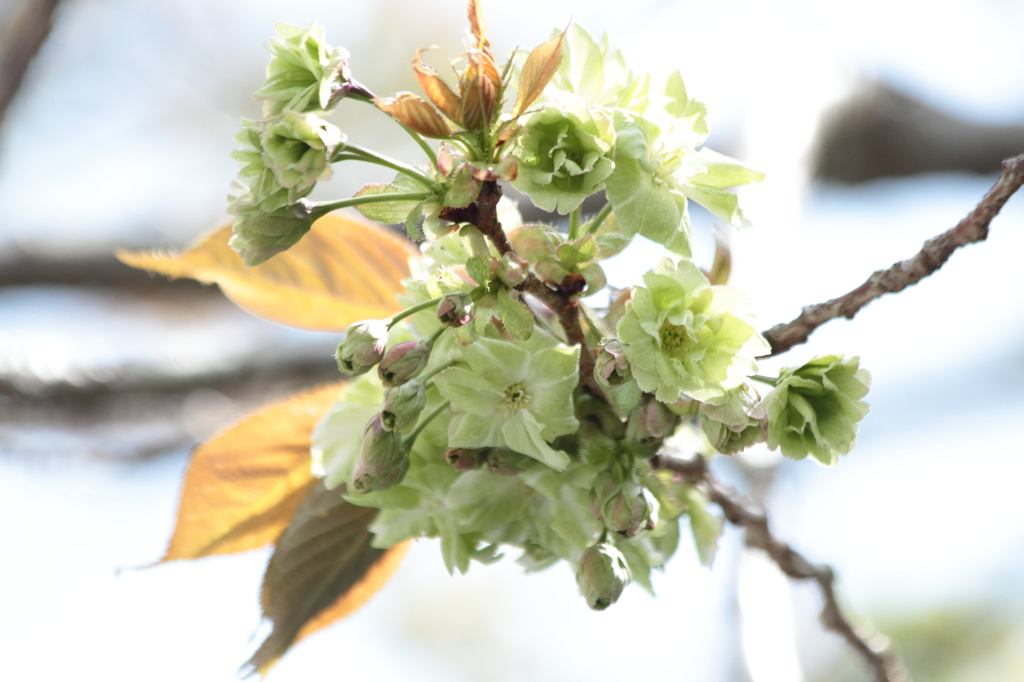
{"type": "Point", "coordinates": [383, 459]}
{"type": "Point", "coordinates": [402, 406]}
{"type": "Point", "coordinates": [464, 459]}
{"type": "Point", "coordinates": [610, 366]}
{"type": "Point", "coordinates": [602, 575]}
{"type": "Point", "coordinates": [630, 511]}
{"type": "Point", "coordinates": [455, 309]}
{"type": "Point", "coordinates": [650, 423]}
{"type": "Point", "coordinates": [403, 362]}
{"type": "Point", "coordinates": [362, 347]}
{"type": "Point", "coordinates": [506, 462]}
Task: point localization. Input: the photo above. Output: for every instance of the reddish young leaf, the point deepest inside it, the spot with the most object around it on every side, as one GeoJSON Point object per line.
{"type": "Point", "coordinates": [437, 90]}
{"type": "Point", "coordinates": [538, 69]}
{"type": "Point", "coordinates": [415, 113]}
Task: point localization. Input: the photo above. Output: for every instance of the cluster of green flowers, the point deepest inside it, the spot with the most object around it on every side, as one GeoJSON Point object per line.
{"type": "Point", "coordinates": [476, 415]}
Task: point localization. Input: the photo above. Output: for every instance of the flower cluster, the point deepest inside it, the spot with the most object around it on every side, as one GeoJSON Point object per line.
{"type": "Point", "coordinates": [497, 410]}
{"type": "Point", "coordinates": [284, 156]}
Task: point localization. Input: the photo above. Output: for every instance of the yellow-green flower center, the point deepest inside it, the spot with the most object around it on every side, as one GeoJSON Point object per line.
{"type": "Point", "coordinates": [676, 339]}
{"type": "Point", "coordinates": [516, 398]}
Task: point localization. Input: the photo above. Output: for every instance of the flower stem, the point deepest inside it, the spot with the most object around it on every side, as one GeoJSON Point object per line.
{"type": "Point", "coordinates": [595, 223]}
{"type": "Point", "coordinates": [574, 223]}
{"type": "Point", "coordinates": [373, 157]}
{"type": "Point", "coordinates": [771, 381]}
{"type": "Point", "coordinates": [413, 310]}
{"type": "Point", "coordinates": [423, 145]}
{"type": "Point", "coordinates": [437, 370]}
{"type": "Point", "coordinates": [319, 209]}
{"type": "Point", "coordinates": [411, 438]}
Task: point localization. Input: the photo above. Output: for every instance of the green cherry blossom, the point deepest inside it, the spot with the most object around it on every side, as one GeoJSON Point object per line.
{"type": "Point", "coordinates": [513, 395]}
{"type": "Point", "coordinates": [564, 154]}
{"type": "Point", "coordinates": [814, 409]}
{"type": "Point", "coordinates": [686, 337]}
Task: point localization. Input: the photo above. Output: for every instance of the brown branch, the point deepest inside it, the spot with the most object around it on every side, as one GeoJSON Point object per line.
{"type": "Point", "coordinates": [873, 648]}
{"type": "Point", "coordinates": [483, 214]}
{"type": "Point", "coordinates": [934, 254]}
{"type": "Point", "coordinates": [23, 42]}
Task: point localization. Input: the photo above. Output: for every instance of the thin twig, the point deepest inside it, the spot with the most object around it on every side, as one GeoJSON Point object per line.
{"type": "Point", "coordinates": [934, 254]}
{"type": "Point", "coordinates": [739, 511]}
{"type": "Point", "coordinates": [23, 42]}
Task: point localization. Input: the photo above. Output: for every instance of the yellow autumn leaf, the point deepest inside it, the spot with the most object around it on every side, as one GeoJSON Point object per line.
{"type": "Point", "coordinates": [243, 486]}
{"type": "Point", "coordinates": [344, 270]}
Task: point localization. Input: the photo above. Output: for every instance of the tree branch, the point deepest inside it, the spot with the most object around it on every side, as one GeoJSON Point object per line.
{"type": "Point", "coordinates": [24, 40]}
{"type": "Point", "coordinates": [873, 648]}
{"type": "Point", "coordinates": [934, 254]}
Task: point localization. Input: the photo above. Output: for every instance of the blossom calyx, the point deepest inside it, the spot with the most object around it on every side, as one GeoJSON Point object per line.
{"type": "Point", "coordinates": [383, 458]}
{"type": "Point", "coordinates": [362, 347]}
{"type": "Point", "coordinates": [602, 576]}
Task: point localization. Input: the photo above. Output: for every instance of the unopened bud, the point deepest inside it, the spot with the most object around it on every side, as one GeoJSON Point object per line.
{"type": "Point", "coordinates": [602, 576]}
{"type": "Point", "coordinates": [383, 459]}
{"type": "Point", "coordinates": [403, 362]}
{"type": "Point", "coordinates": [506, 462]}
{"type": "Point", "coordinates": [650, 423]}
{"type": "Point", "coordinates": [630, 511]}
{"type": "Point", "coordinates": [402, 406]}
{"type": "Point", "coordinates": [455, 309]}
{"type": "Point", "coordinates": [464, 459]}
{"type": "Point", "coordinates": [610, 366]}
{"type": "Point", "coordinates": [362, 347]}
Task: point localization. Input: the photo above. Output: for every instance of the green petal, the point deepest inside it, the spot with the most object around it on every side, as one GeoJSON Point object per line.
{"type": "Point", "coordinates": [523, 434]}
{"type": "Point", "coordinates": [467, 391]}
{"type": "Point", "coordinates": [475, 431]}
{"type": "Point", "coordinates": [498, 362]}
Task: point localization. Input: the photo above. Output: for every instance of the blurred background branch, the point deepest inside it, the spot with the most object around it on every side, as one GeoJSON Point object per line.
{"type": "Point", "coordinates": [24, 36]}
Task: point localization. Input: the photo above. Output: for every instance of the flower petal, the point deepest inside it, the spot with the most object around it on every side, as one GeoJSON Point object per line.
{"type": "Point", "coordinates": [523, 434]}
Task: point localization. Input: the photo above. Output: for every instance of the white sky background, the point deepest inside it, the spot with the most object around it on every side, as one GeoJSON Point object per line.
{"type": "Point", "coordinates": [122, 136]}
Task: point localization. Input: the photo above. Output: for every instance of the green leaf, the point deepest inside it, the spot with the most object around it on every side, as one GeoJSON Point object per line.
{"type": "Point", "coordinates": [389, 212]}
{"type": "Point", "coordinates": [464, 188]}
{"type": "Point", "coordinates": [514, 314]}
{"type": "Point", "coordinates": [479, 269]}
{"type": "Point", "coordinates": [706, 527]}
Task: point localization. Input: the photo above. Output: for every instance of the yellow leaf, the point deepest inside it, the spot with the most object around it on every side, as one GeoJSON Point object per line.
{"type": "Point", "coordinates": [360, 593]}
{"type": "Point", "coordinates": [539, 68]}
{"type": "Point", "coordinates": [344, 270]}
{"type": "Point", "coordinates": [243, 486]}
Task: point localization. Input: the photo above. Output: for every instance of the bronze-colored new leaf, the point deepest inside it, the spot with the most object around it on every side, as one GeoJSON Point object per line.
{"type": "Point", "coordinates": [538, 70]}
{"type": "Point", "coordinates": [242, 487]}
{"type": "Point", "coordinates": [415, 113]}
{"type": "Point", "coordinates": [477, 27]}
{"type": "Point", "coordinates": [437, 90]}
{"type": "Point", "coordinates": [323, 568]}
{"type": "Point", "coordinates": [344, 270]}
{"type": "Point", "coordinates": [480, 88]}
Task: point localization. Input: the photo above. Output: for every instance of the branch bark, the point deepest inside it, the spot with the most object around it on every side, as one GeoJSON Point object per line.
{"type": "Point", "coordinates": [873, 648]}
{"type": "Point", "coordinates": [934, 254]}
{"type": "Point", "coordinates": [24, 41]}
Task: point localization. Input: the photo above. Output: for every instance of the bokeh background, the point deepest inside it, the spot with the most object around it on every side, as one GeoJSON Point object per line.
{"type": "Point", "coordinates": [879, 124]}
